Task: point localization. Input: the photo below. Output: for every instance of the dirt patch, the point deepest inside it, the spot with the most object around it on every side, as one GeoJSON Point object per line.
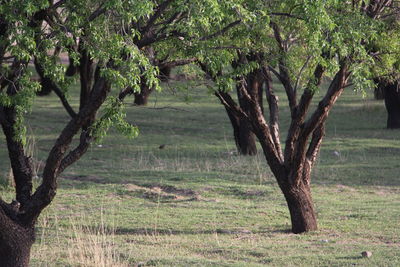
{"type": "Point", "coordinates": [159, 192]}
{"type": "Point", "coordinates": [344, 188]}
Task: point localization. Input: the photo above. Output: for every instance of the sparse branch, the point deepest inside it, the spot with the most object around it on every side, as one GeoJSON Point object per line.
{"type": "Point", "coordinates": [272, 100]}
{"type": "Point", "coordinates": [285, 15]}
{"type": "Point", "coordinates": [47, 82]}
{"type": "Point", "coordinates": [263, 133]}
{"type": "Point", "coordinates": [21, 164]}
{"type": "Point", "coordinates": [312, 152]}
{"type": "Point", "coordinates": [221, 32]}
{"type": "Point", "coordinates": [296, 86]}
{"type": "Point", "coordinates": [284, 75]}
{"type": "Point", "coordinates": [278, 36]}
{"type": "Point", "coordinates": [171, 20]}
{"type": "Point", "coordinates": [229, 103]}
{"type": "Point", "coordinates": [178, 62]}
{"type": "Point", "coordinates": [298, 150]}
{"type": "Point", "coordinates": [315, 144]}
{"type": "Point", "coordinates": [299, 116]}
{"type": "Point", "coordinates": [97, 13]}
{"type": "Point", "coordinates": [47, 190]}
{"type": "Point", "coordinates": [334, 91]}
{"type": "Point", "coordinates": [159, 11]}
{"type": "Point", "coordinates": [84, 143]}
{"type": "Point", "coordinates": [127, 91]}
{"type": "Point", "coordinates": [58, 4]}
{"type": "Point", "coordinates": [64, 101]}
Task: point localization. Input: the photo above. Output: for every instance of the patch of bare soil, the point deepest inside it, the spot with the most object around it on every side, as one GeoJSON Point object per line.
{"type": "Point", "coordinates": [164, 192]}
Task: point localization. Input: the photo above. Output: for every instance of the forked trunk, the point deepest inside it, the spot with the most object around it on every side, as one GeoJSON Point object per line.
{"type": "Point", "coordinates": [301, 208]}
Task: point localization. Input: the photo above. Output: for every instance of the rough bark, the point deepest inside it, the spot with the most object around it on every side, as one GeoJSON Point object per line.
{"type": "Point", "coordinates": [246, 139]}
{"type": "Point", "coordinates": [293, 168]}
{"type": "Point", "coordinates": [16, 239]}
{"type": "Point", "coordinates": [301, 208]}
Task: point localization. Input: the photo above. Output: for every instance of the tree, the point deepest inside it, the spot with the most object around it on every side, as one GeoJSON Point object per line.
{"type": "Point", "coordinates": [303, 43]}
{"type": "Point", "coordinates": [391, 94]}
{"type": "Point", "coordinates": [105, 44]}
{"type": "Point", "coordinates": [108, 62]}
{"type": "Point", "coordinates": [242, 130]}
{"type": "Point", "coordinates": [387, 69]}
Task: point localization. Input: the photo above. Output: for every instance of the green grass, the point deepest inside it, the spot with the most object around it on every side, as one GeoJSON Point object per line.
{"type": "Point", "coordinates": [197, 203]}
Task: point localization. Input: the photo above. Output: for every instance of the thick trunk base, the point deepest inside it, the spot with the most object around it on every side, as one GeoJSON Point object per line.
{"type": "Point", "coordinates": [301, 208]}
{"type": "Point", "coordinates": [15, 243]}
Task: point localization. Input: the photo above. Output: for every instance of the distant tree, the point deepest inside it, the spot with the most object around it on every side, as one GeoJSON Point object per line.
{"type": "Point", "coordinates": [303, 43]}
{"type": "Point", "coordinates": [387, 68]}
{"type": "Point", "coordinates": [391, 94]}
{"type": "Point", "coordinates": [244, 137]}
{"type": "Point", "coordinates": [110, 67]}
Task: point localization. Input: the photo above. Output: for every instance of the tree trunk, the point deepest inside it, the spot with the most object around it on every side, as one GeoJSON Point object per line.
{"type": "Point", "coordinates": [379, 89]}
{"type": "Point", "coordinates": [244, 138]}
{"type": "Point", "coordinates": [165, 73]}
{"type": "Point", "coordinates": [141, 98]}
{"type": "Point", "coordinates": [392, 103]}
{"type": "Point", "coordinates": [15, 242]}
{"type": "Point", "coordinates": [301, 208]}
{"type": "Point", "coordinates": [46, 83]}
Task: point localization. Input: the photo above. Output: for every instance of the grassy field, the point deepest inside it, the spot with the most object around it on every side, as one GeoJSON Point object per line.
{"type": "Point", "coordinates": [197, 203]}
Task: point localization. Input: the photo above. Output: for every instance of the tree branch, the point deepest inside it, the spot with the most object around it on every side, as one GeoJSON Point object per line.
{"type": "Point", "coordinates": [316, 120]}
{"type": "Point", "coordinates": [47, 190]}
{"type": "Point", "coordinates": [284, 75]}
{"type": "Point", "coordinates": [285, 15]}
{"type": "Point", "coordinates": [300, 113]}
{"type": "Point", "coordinates": [222, 31]}
{"type": "Point", "coordinates": [159, 11]}
{"type": "Point", "coordinates": [47, 82]}
{"type": "Point", "coordinates": [21, 165]}
{"type": "Point", "coordinates": [272, 100]}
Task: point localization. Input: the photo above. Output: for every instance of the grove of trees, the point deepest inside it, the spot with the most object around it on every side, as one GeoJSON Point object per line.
{"type": "Point", "coordinates": [119, 48]}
